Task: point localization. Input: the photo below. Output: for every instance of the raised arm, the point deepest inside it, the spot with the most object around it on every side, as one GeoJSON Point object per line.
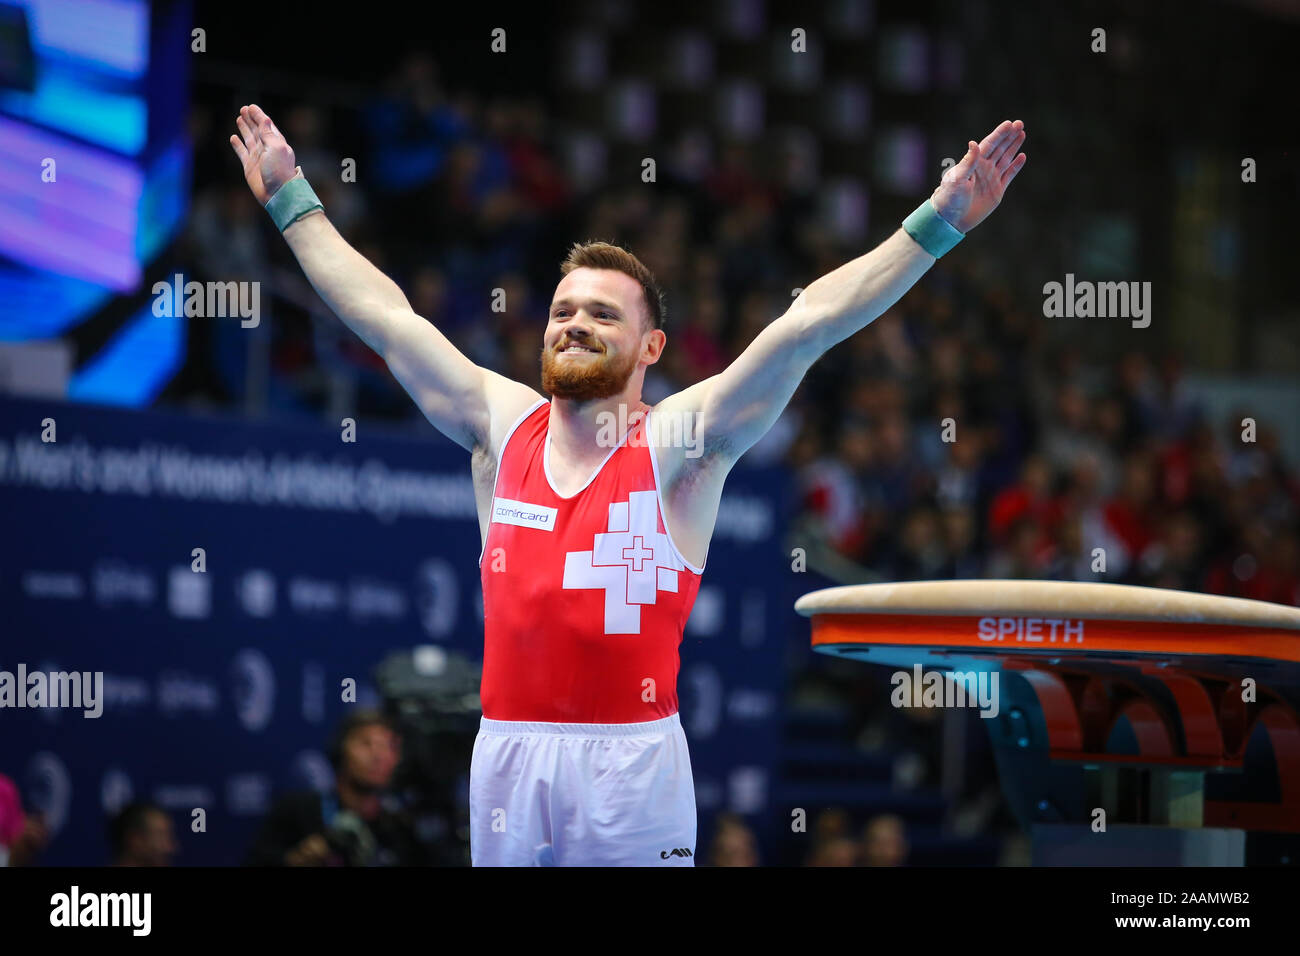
{"type": "Point", "coordinates": [736, 407]}
{"type": "Point", "coordinates": [464, 401]}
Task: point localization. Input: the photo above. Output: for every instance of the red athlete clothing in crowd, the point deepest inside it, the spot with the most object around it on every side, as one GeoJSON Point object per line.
{"type": "Point", "coordinates": [585, 598]}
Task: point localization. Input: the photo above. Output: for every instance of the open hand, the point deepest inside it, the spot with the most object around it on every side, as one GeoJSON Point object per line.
{"type": "Point", "coordinates": [972, 189]}
{"type": "Point", "coordinates": [266, 156]}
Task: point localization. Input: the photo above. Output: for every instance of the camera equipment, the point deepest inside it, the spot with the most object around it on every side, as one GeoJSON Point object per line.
{"type": "Point", "coordinates": [432, 697]}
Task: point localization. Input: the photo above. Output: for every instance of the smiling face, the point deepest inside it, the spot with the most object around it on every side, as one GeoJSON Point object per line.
{"type": "Point", "coordinates": [597, 336]}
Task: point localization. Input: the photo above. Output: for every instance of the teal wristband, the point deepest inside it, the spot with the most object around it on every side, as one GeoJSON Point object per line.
{"type": "Point", "coordinates": [291, 202]}
{"type": "Point", "coordinates": [934, 233]}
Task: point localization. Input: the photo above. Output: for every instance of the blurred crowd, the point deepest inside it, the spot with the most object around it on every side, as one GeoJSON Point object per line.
{"type": "Point", "coordinates": [831, 841]}
{"type": "Point", "coordinates": [957, 446]}
{"type": "Point", "coordinates": [958, 435]}
{"type": "Point", "coordinates": [361, 821]}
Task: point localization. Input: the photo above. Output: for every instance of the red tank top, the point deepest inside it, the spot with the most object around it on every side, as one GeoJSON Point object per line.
{"type": "Point", "coordinates": [584, 598]}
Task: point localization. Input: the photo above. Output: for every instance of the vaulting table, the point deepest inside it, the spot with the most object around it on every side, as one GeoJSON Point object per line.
{"type": "Point", "coordinates": [1175, 713]}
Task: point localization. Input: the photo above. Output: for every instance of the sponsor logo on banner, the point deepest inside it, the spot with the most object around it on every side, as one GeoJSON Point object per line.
{"type": "Point", "coordinates": [748, 704]}
{"type": "Point", "coordinates": [314, 596]}
{"type": "Point", "coordinates": [747, 789]}
{"type": "Point", "coordinates": [708, 793]}
{"type": "Point", "coordinates": [115, 790]}
{"type": "Point", "coordinates": [753, 618]}
{"type": "Point", "coordinates": [47, 789]}
{"type": "Point", "coordinates": [118, 583]}
{"type": "Point", "coordinates": [189, 593]}
{"type": "Point", "coordinates": [256, 591]}
{"type": "Point", "coordinates": [744, 518]}
{"type": "Point", "coordinates": [182, 796]}
{"type": "Point", "coordinates": [178, 691]}
{"type": "Point", "coordinates": [709, 612]}
{"type": "Point", "coordinates": [312, 769]}
{"type": "Point", "coordinates": [253, 682]}
{"type": "Point", "coordinates": [369, 598]}
{"type": "Point", "coordinates": [248, 794]}
{"type": "Point", "coordinates": [123, 692]}
{"type": "Point", "coordinates": [54, 585]}
{"type": "Point", "coordinates": [701, 681]}
{"type": "Point", "coordinates": [437, 594]}
{"type": "Point", "coordinates": [313, 692]}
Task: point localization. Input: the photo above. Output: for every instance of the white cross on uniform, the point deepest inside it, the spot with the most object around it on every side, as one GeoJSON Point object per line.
{"type": "Point", "coordinates": [632, 562]}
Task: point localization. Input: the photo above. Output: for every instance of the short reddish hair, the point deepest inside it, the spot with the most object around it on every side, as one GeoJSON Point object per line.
{"type": "Point", "coordinates": [604, 255]}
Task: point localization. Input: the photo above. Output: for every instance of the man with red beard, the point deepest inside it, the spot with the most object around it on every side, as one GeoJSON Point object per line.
{"type": "Point", "coordinates": [595, 509]}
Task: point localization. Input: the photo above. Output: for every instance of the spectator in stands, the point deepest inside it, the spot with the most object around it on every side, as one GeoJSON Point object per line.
{"type": "Point", "coordinates": [733, 843]}
{"type": "Point", "coordinates": [1111, 424]}
{"type": "Point", "coordinates": [702, 340]}
{"type": "Point", "coordinates": [307, 128]}
{"type": "Point", "coordinates": [1175, 558]}
{"type": "Point", "coordinates": [965, 560]}
{"type": "Point", "coordinates": [227, 237]}
{"type": "Point", "coordinates": [838, 851]}
{"type": "Point", "coordinates": [141, 834]}
{"type": "Point", "coordinates": [1029, 498]}
{"type": "Point", "coordinates": [411, 130]}
{"type": "Point", "coordinates": [537, 176]}
{"type": "Point", "coordinates": [1260, 565]}
{"type": "Point", "coordinates": [1070, 436]}
{"type": "Point", "coordinates": [1069, 559]}
{"type": "Point", "coordinates": [1136, 389]}
{"type": "Point", "coordinates": [896, 479]}
{"type": "Point", "coordinates": [830, 485]}
{"type": "Point", "coordinates": [1171, 411]}
{"type": "Point", "coordinates": [22, 835]}
{"type": "Point", "coordinates": [934, 445]}
{"type": "Point", "coordinates": [357, 823]}
{"type": "Point", "coordinates": [884, 841]}
{"type": "Point", "coordinates": [1285, 565]}
{"type": "Point", "coordinates": [12, 818]}
{"type": "Point", "coordinates": [830, 823]}
{"type": "Point", "coordinates": [1082, 499]}
{"type": "Point", "coordinates": [1194, 472]}
{"type": "Point", "coordinates": [1130, 514]}
{"type": "Point", "coordinates": [922, 553]}
{"type": "Point", "coordinates": [1022, 557]}
{"type": "Point", "coordinates": [959, 479]}
{"type": "Point", "coordinates": [831, 835]}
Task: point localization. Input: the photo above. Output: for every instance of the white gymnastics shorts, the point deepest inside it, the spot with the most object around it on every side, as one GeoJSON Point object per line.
{"type": "Point", "coordinates": [544, 794]}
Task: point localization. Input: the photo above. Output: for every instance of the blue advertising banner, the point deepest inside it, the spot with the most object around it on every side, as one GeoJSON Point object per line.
{"type": "Point", "coordinates": [227, 578]}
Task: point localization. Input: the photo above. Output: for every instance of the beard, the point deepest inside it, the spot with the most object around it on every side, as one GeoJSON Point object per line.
{"type": "Point", "coordinates": [584, 379]}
